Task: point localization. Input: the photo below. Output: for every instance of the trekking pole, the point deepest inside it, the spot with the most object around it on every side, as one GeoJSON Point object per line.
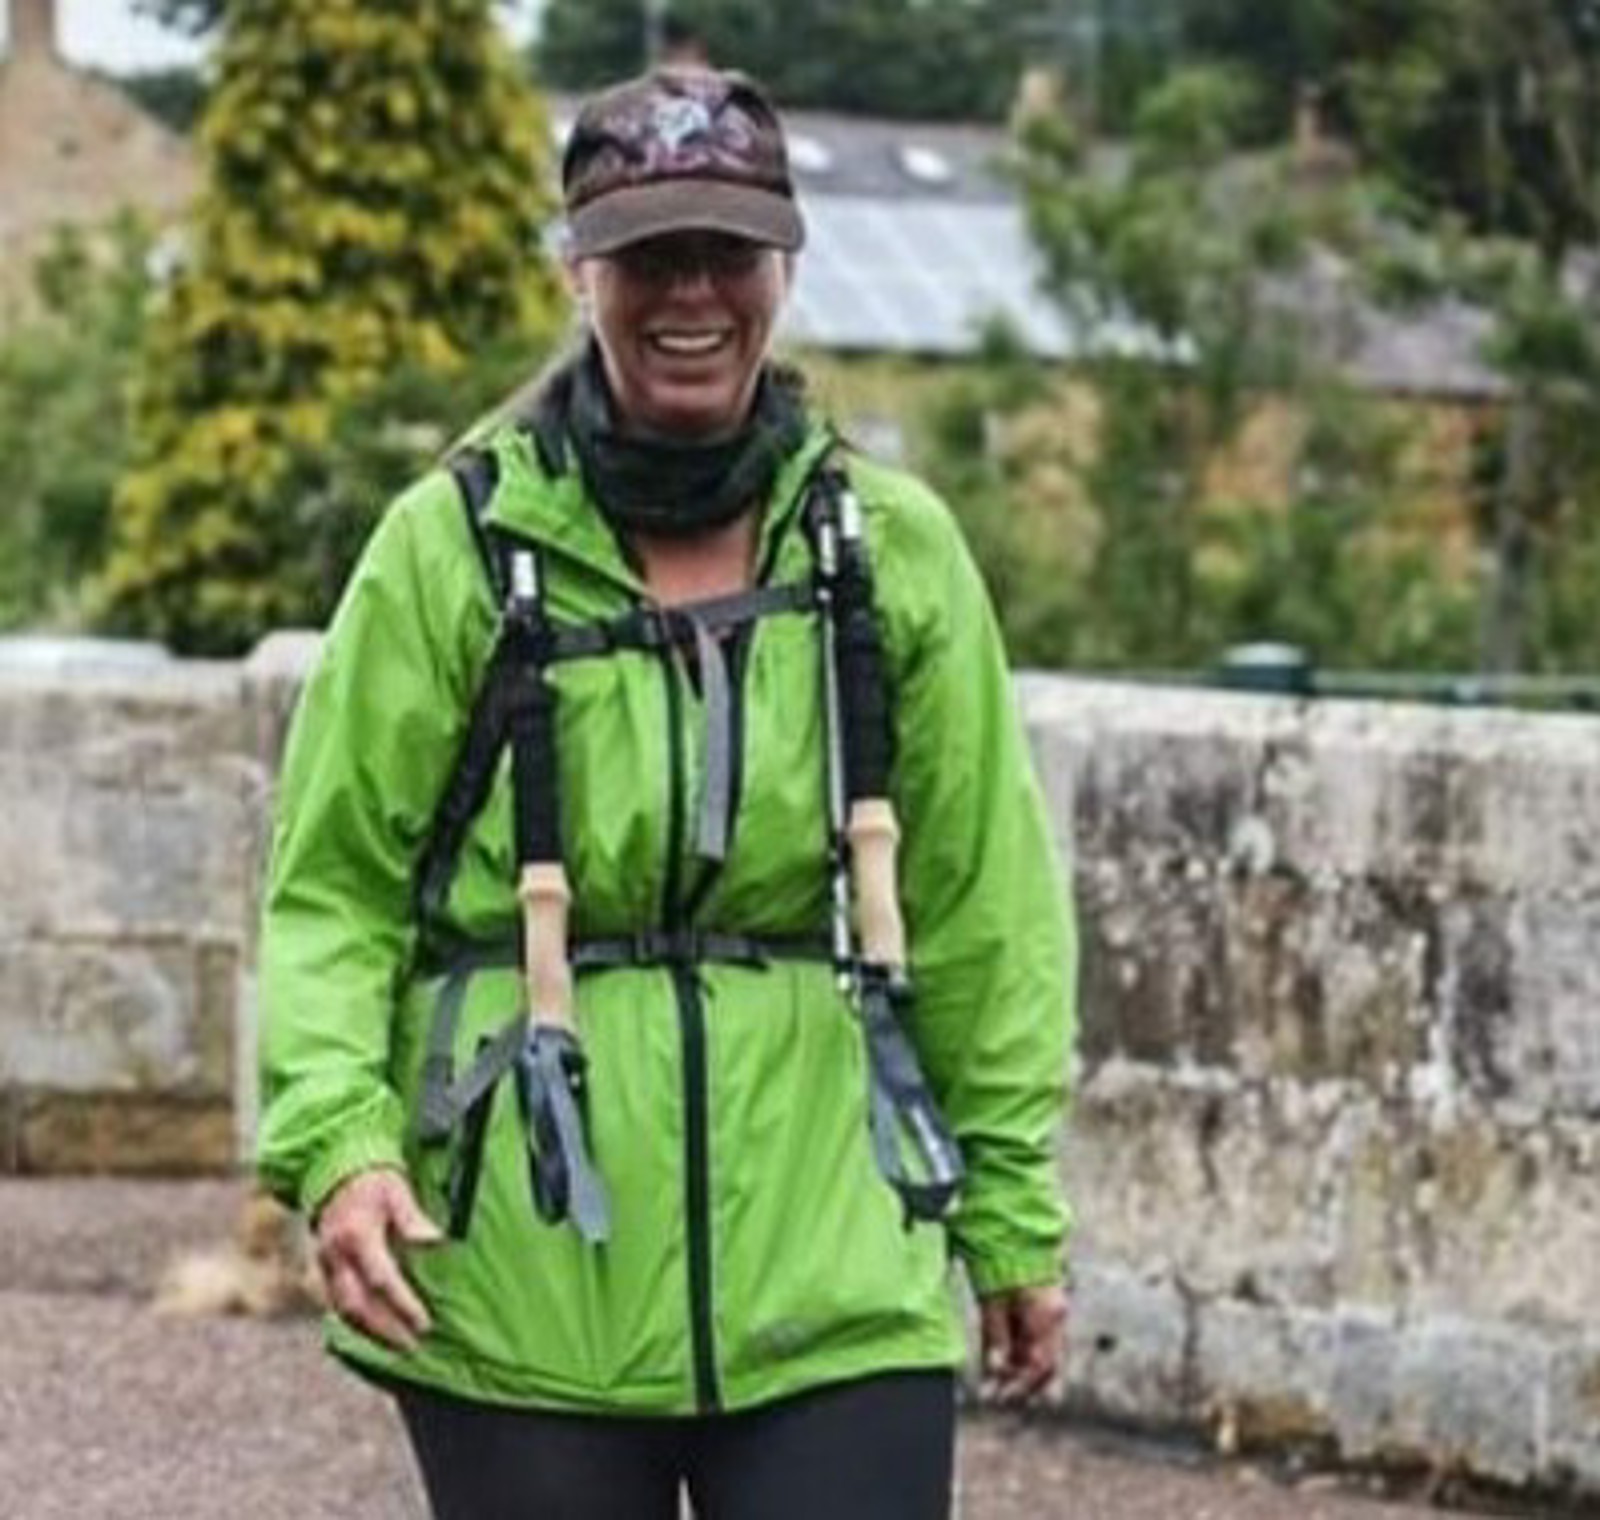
{"type": "Point", "coordinates": [550, 1066]}
{"type": "Point", "coordinates": [914, 1148]}
{"type": "Point", "coordinates": [832, 729]}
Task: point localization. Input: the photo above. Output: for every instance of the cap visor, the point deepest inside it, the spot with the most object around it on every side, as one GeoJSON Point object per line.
{"type": "Point", "coordinates": [683, 205]}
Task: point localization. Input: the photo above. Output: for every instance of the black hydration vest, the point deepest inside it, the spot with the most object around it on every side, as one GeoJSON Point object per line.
{"type": "Point", "coordinates": [515, 708]}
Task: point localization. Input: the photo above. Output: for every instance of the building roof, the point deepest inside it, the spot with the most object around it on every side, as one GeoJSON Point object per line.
{"type": "Point", "coordinates": [911, 274]}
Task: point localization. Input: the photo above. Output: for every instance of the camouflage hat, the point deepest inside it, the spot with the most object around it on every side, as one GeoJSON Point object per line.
{"type": "Point", "coordinates": [678, 150]}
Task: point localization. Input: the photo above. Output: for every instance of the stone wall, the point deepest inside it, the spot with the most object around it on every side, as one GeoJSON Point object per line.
{"type": "Point", "coordinates": [1335, 1146]}
{"type": "Point", "coordinates": [1334, 1152]}
{"type": "Point", "coordinates": [135, 805]}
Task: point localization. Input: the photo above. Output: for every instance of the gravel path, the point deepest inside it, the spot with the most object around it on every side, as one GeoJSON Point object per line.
{"type": "Point", "coordinates": [109, 1411]}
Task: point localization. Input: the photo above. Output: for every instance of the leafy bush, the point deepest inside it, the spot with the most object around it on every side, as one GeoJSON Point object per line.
{"type": "Point", "coordinates": [373, 208]}
{"type": "Point", "coordinates": [64, 374]}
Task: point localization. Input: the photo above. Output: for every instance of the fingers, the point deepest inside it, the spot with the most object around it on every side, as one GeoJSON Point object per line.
{"type": "Point", "coordinates": [357, 1305]}
{"type": "Point", "coordinates": [383, 1281]}
{"type": "Point", "coordinates": [997, 1348]}
{"type": "Point", "coordinates": [1022, 1342]}
{"type": "Point", "coordinates": [366, 1287]}
{"type": "Point", "coordinates": [410, 1223]}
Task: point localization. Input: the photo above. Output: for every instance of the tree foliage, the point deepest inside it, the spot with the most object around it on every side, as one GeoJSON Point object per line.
{"type": "Point", "coordinates": [1486, 115]}
{"type": "Point", "coordinates": [373, 207]}
{"type": "Point", "coordinates": [64, 371]}
{"type": "Point", "coordinates": [1114, 519]}
{"type": "Point", "coordinates": [897, 58]}
{"type": "Point", "coordinates": [1476, 128]}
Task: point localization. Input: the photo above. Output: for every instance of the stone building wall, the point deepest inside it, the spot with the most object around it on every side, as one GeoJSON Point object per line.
{"type": "Point", "coordinates": [1336, 1148]}
{"type": "Point", "coordinates": [74, 150]}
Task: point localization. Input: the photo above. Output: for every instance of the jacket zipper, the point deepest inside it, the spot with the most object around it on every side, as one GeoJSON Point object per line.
{"type": "Point", "coordinates": [692, 1034]}
{"type": "Point", "coordinates": [691, 1013]}
{"type": "Point", "coordinates": [702, 1332]}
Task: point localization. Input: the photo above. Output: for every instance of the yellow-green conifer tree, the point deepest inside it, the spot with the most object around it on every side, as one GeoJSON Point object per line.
{"type": "Point", "coordinates": [376, 185]}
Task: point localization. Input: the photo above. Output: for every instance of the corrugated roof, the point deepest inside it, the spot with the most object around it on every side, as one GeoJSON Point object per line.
{"type": "Point", "coordinates": [878, 158]}
{"type": "Point", "coordinates": [923, 276]}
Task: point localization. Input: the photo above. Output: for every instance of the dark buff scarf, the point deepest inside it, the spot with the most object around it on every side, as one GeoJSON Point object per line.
{"type": "Point", "coordinates": [675, 488]}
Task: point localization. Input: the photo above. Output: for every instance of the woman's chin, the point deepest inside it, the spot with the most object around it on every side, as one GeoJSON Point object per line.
{"type": "Point", "coordinates": [692, 411]}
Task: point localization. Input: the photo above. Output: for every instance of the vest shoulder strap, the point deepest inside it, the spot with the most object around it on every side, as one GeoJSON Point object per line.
{"type": "Point", "coordinates": [476, 472]}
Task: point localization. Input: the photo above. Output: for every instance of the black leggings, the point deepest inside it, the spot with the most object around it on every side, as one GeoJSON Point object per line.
{"type": "Point", "coordinates": [878, 1449]}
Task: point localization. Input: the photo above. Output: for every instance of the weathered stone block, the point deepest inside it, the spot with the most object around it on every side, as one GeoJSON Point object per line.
{"type": "Point", "coordinates": [1505, 1219]}
{"type": "Point", "coordinates": [128, 1134]}
{"type": "Point", "coordinates": [1571, 1453]}
{"type": "Point", "coordinates": [135, 804]}
{"type": "Point", "coordinates": [1127, 1351]}
{"type": "Point", "coordinates": [1472, 1394]}
{"type": "Point", "coordinates": [1153, 770]}
{"type": "Point", "coordinates": [1265, 1373]}
{"type": "Point", "coordinates": [118, 1015]}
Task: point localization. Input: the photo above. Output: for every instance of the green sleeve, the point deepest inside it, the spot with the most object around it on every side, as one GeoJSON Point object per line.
{"type": "Point", "coordinates": [372, 741]}
{"type": "Point", "coordinates": [991, 938]}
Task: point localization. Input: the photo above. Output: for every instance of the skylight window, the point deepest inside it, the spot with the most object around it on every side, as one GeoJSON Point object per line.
{"type": "Point", "coordinates": [810, 156]}
{"type": "Point", "coordinates": [926, 165]}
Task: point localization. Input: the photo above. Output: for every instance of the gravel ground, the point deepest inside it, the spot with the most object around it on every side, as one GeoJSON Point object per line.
{"type": "Point", "coordinates": [109, 1410]}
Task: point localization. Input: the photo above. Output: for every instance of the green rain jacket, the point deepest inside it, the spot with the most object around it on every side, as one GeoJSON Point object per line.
{"type": "Point", "coordinates": [755, 1249]}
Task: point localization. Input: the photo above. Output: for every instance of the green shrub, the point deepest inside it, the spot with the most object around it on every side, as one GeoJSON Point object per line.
{"type": "Point", "coordinates": [376, 189]}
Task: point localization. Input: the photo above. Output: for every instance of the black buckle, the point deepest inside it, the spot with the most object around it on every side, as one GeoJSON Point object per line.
{"type": "Point", "coordinates": [646, 627]}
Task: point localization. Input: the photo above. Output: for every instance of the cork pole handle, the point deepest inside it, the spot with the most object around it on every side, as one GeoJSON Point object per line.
{"type": "Point", "coordinates": [545, 897]}
{"type": "Point", "coordinates": [874, 844]}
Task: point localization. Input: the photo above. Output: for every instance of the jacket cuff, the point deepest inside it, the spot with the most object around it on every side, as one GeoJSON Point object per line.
{"type": "Point", "coordinates": [1006, 1270]}
{"type": "Point", "coordinates": [364, 1150]}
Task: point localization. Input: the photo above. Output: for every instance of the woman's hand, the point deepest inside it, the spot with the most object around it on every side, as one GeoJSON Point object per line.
{"type": "Point", "coordinates": [1022, 1340]}
{"type": "Point", "coordinates": [365, 1284]}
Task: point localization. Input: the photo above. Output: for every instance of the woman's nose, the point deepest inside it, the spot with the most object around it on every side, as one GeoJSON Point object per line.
{"type": "Point", "coordinates": [690, 277]}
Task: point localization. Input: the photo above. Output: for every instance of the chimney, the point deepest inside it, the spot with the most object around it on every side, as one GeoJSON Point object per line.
{"type": "Point", "coordinates": [1316, 155]}
{"type": "Point", "coordinates": [680, 45]}
{"type": "Point", "coordinates": [33, 28]}
{"type": "Point", "coordinates": [1039, 95]}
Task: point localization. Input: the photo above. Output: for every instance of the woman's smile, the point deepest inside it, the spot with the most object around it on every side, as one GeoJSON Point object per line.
{"type": "Point", "coordinates": [684, 322]}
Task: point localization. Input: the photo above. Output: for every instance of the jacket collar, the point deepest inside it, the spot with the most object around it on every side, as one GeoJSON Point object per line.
{"type": "Point", "coordinates": [555, 511]}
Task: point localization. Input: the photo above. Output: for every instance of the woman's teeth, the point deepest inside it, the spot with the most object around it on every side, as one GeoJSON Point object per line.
{"type": "Point", "coordinates": [688, 343]}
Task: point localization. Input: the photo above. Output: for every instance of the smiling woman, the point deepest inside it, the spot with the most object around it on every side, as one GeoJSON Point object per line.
{"type": "Point", "coordinates": [763, 761]}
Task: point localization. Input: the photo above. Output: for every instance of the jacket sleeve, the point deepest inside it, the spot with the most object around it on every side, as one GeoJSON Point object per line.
{"type": "Point", "coordinates": [991, 940]}
{"type": "Point", "coordinates": [369, 748]}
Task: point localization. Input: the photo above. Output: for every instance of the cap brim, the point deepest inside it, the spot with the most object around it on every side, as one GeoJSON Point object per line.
{"type": "Point", "coordinates": [683, 205]}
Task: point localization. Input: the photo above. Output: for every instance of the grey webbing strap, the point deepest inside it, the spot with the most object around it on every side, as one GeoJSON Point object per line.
{"type": "Point", "coordinates": [445, 1101]}
{"type": "Point", "coordinates": [716, 792]}
{"type": "Point", "coordinates": [438, 1116]}
{"type": "Point", "coordinates": [653, 627]}
{"type": "Point", "coordinates": [719, 613]}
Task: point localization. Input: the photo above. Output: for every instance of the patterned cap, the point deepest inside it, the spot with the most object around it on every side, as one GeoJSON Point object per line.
{"type": "Point", "coordinates": [678, 150]}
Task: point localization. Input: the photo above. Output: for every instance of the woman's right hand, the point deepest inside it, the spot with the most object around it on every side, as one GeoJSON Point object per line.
{"type": "Point", "coordinates": [354, 1230]}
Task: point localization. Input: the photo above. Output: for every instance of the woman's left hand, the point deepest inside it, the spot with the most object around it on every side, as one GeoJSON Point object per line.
{"type": "Point", "coordinates": [1023, 1336]}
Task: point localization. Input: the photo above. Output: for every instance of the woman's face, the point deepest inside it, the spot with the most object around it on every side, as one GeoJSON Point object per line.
{"type": "Point", "coordinates": [683, 322]}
